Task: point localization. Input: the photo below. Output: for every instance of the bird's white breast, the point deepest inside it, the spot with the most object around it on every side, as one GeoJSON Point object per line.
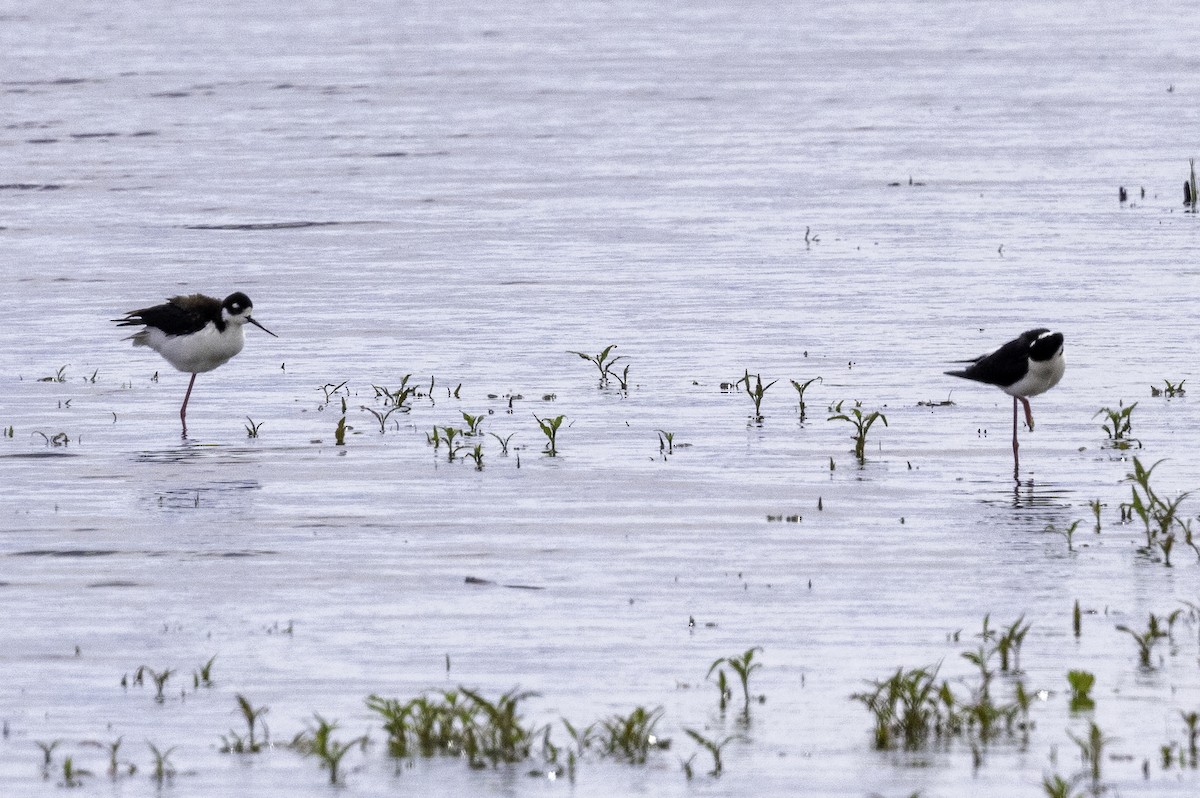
{"type": "Point", "coordinates": [201, 351]}
{"type": "Point", "coordinates": [1041, 377]}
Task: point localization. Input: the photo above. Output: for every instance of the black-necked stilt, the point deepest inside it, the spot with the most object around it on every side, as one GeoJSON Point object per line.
{"type": "Point", "coordinates": [194, 333]}
{"type": "Point", "coordinates": [1026, 366]}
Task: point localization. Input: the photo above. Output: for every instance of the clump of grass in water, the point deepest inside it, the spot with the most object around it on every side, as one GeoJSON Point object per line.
{"type": "Point", "coordinates": [1119, 425]}
{"type": "Point", "coordinates": [249, 744]}
{"type": "Point", "coordinates": [1161, 517]}
{"type": "Point", "coordinates": [449, 437]}
{"type": "Point", "coordinates": [862, 425]}
{"type": "Point", "coordinates": [1169, 389]}
{"type": "Point", "coordinates": [317, 741]}
{"type": "Point", "coordinates": [398, 398]}
{"type": "Point", "coordinates": [549, 428]}
{"type": "Point", "coordinates": [604, 363]}
{"type": "Point", "coordinates": [755, 392]}
{"type": "Point", "coordinates": [629, 738]}
{"type": "Point", "coordinates": [911, 707]}
{"type": "Point", "coordinates": [666, 442]}
{"type": "Point", "coordinates": [461, 723]}
{"type": "Point", "coordinates": [744, 666]}
{"type": "Point", "coordinates": [1081, 688]}
{"type": "Point", "coordinates": [252, 428]}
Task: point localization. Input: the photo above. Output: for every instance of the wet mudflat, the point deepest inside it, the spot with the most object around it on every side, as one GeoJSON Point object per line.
{"type": "Point", "coordinates": [464, 195]}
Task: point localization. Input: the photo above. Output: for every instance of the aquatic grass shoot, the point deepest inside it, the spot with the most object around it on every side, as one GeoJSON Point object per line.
{"type": "Point", "coordinates": [1147, 640]}
{"type": "Point", "coordinates": [202, 676]}
{"type": "Point", "coordinates": [629, 738]}
{"type": "Point", "coordinates": [163, 768]}
{"type": "Point", "coordinates": [1118, 425]}
{"type": "Point", "coordinates": [603, 363]}
{"type": "Point", "coordinates": [503, 442]}
{"type": "Point", "coordinates": [714, 748]}
{"type": "Point", "coordinates": [1161, 517]}
{"type": "Point", "coordinates": [755, 392]}
{"type": "Point", "coordinates": [317, 741]}
{"type": "Point", "coordinates": [801, 387]}
{"type": "Point", "coordinates": [744, 666]}
{"type": "Point", "coordinates": [862, 425]}
{"type": "Point", "coordinates": [1169, 389]}
{"type": "Point", "coordinates": [549, 427]}
{"type": "Point", "coordinates": [1081, 683]}
{"type": "Point", "coordinates": [158, 677]}
{"type": "Point", "coordinates": [72, 776]}
{"type": "Point", "coordinates": [252, 742]}
{"type": "Point", "coordinates": [1068, 533]}
{"type": "Point", "coordinates": [1091, 752]}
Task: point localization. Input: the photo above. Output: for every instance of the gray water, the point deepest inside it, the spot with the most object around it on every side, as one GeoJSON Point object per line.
{"type": "Point", "coordinates": [465, 193]}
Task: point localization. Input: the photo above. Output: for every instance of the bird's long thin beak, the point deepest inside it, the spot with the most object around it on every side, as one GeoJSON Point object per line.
{"type": "Point", "coordinates": [259, 326]}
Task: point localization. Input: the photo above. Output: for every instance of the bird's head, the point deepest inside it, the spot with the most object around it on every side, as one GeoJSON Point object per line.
{"type": "Point", "coordinates": [1044, 345]}
{"type": "Point", "coordinates": [236, 310]}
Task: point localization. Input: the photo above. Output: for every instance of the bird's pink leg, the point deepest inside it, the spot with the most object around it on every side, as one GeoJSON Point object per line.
{"type": "Point", "coordinates": [1028, 413]}
{"type": "Point", "coordinates": [186, 397]}
{"type": "Point", "coordinates": [1016, 461]}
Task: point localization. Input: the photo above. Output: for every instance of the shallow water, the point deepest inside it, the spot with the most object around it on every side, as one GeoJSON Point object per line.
{"type": "Point", "coordinates": [468, 193]}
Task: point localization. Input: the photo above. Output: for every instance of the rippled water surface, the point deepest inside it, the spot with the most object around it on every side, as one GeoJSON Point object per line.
{"type": "Point", "coordinates": [861, 192]}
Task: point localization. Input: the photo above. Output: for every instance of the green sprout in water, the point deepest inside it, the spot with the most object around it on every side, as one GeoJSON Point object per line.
{"type": "Point", "coordinates": [203, 676]}
{"type": "Point", "coordinates": [630, 737]}
{"type": "Point", "coordinates": [1145, 640]}
{"type": "Point", "coordinates": [1119, 425]}
{"type": "Point", "coordinates": [317, 741]}
{"type": "Point", "coordinates": [603, 363]}
{"type": "Point", "coordinates": [744, 666]}
{"type": "Point", "coordinates": [159, 678]}
{"type": "Point", "coordinates": [473, 423]}
{"type": "Point", "coordinates": [503, 442]}
{"type": "Point", "coordinates": [72, 776]}
{"type": "Point", "coordinates": [1068, 533]}
{"type": "Point", "coordinates": [339, 434]}
{"type": "Point", "coordinates": [801, 387]}
{"type": "Point", "coordinates": [862, 425]}
{"type": "Point", "coordinates": [666, 442]}
{"type": "Point", "coordinates": [250, 743]}
{"type": "Point", "coordinates": [714, 747]}
{"type": "Point", "coordinates": [252, 428]}
{"type": "Point", "coordinates": [1091, 751]}
{"type": "Point", "coordinates": [1169, 389]}
{"type": "Point", "coordinates": [1161, 517]}
{"type": "Point", "coordinates": [163, 769]}
{"type": "Point", "coordinates": [549, 428]}
{"type": "Point", "coordinates": [47, 751]}
{"type": "Point", "coordinates": [1081, 688]}
{"type": "Point", "coordinates": [476, 454]}
{"type": "Point", "coordinates": [755, 392]}
{"type": "Point", "coordinates": [1096, 508]}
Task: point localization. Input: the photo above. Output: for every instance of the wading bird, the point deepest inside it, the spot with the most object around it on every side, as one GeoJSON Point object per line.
{"type": "Point", "coordinates": [193, 333]}
{"type": "Point", "coordinates": [1025, 366]}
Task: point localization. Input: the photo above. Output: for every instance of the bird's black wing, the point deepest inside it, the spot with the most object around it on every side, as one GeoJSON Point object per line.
{"type": "Point", "coordinates": [179, 315]}
{"type": "Point", "coordinates": [1006, 365]}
